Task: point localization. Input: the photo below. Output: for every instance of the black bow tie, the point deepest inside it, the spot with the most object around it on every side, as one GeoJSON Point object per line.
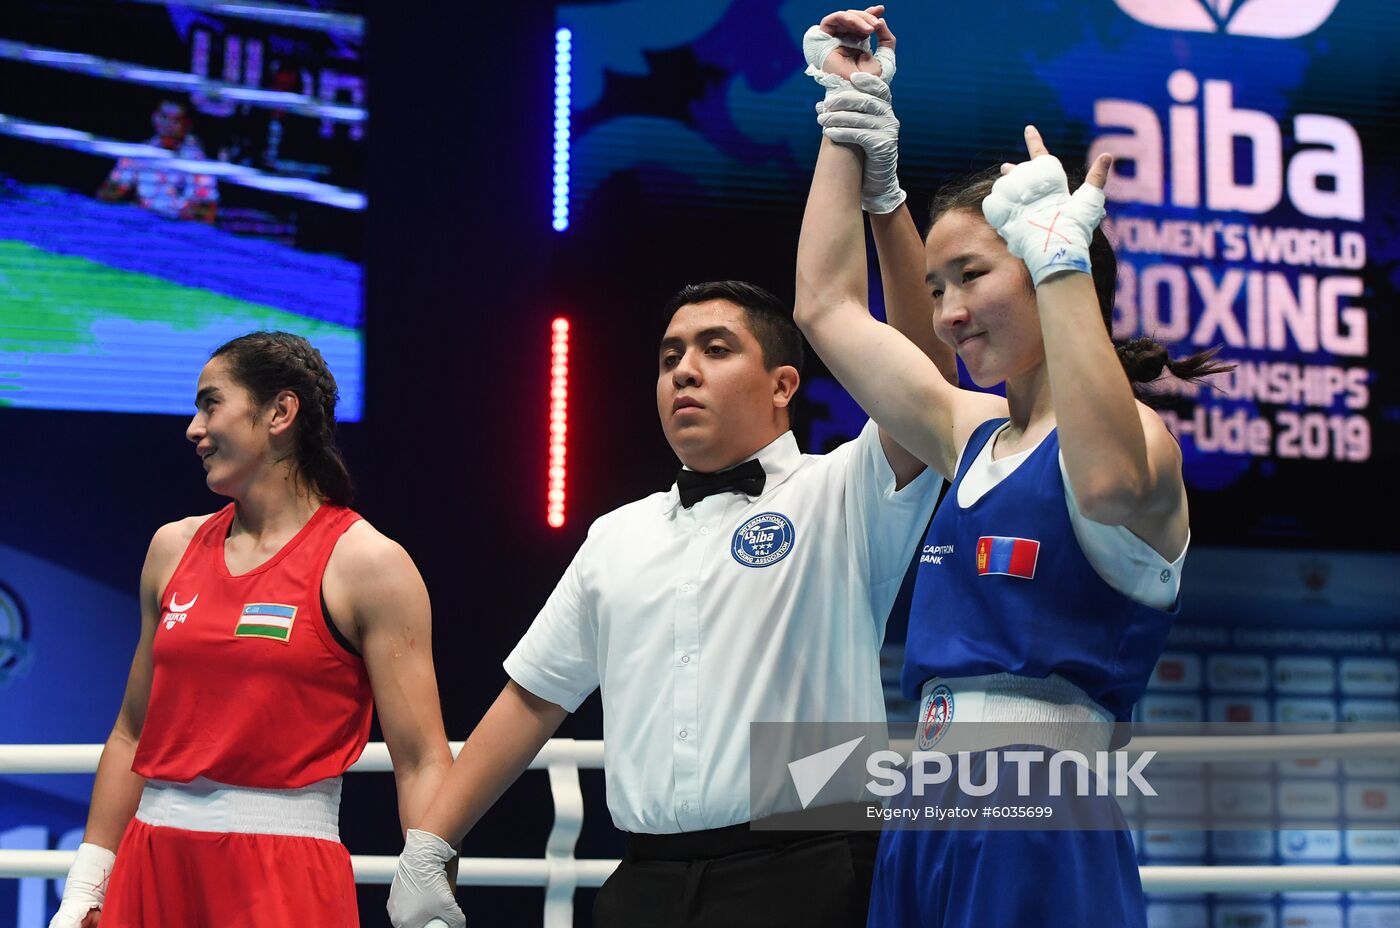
{"type": "Point", "coordinates": [748, 478]}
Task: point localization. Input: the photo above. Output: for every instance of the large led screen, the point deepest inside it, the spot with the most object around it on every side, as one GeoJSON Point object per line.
{"type": "Point", "coordinates": [172, 176]}
{"type": "Point", "coordinates": [1253, 205]}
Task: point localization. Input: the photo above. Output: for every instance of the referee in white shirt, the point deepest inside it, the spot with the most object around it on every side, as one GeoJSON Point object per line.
{"type": "Point", "coordinates": [755, 589]}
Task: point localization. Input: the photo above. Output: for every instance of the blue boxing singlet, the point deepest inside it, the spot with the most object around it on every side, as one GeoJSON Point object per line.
{"type": "Point", "coordinates": [1003, 587]}
{"type": "Point", "coordinates": [1009, 611]}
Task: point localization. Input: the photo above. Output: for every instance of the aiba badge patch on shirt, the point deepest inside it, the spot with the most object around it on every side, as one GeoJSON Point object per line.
{"type": "Point", "coordinates": [763, 540]}
{"type": "Point", "coordinates": [935, 715]}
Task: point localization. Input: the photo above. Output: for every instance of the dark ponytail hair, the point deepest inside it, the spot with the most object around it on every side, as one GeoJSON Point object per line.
{"type": "Point", "coordinates": [265, 363]}
{"type": "Point", "coordinates": [1143, 358]}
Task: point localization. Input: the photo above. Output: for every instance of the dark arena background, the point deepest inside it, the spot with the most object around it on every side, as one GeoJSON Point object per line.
{"type": "Point", "coordinates": [426, 193]}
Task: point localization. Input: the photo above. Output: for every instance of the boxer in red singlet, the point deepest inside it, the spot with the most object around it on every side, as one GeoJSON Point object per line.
{"type": "Point", "coordinates": [270, 630]}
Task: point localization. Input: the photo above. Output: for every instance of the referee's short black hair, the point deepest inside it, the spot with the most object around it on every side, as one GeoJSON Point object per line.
{"type": "Point", "coordinates": [769, 320]}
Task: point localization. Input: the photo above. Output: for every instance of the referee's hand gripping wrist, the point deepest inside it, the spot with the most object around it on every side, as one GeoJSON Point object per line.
{"type": "Point", "coordinates": [421, 893]}
{"type": "Point", "coordinates": [863, 117]}
{"type": "Point", "coordinates": [856, 110]}
{"type": "Point", "coordinates": [85, 890]}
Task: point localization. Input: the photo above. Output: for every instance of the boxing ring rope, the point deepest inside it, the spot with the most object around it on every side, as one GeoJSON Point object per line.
{"type": "Point", "coordinates": [560, 872]}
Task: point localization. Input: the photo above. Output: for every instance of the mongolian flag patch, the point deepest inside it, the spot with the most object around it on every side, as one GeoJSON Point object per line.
{"type": "Point", "coordinates": [1012, 557]}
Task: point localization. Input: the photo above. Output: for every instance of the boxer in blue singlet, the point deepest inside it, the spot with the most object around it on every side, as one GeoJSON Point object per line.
{"type": "Point", "coordinates": [1051, 570]}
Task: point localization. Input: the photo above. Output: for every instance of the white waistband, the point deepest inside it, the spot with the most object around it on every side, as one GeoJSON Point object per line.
{"type": "Point", "coordinates": [981, 713]}
{"type": "Point", "coordinates": [204, 805]}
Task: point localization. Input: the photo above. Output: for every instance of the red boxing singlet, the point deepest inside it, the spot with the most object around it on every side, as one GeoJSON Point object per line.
{"type": "Point", "coordinates": [249, 687]}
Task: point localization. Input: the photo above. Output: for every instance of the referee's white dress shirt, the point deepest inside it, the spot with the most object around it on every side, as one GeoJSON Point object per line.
{"type": "Point", "coordinates": [696, 622]}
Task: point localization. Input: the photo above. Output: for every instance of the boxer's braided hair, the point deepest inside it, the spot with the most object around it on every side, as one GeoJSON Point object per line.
{"type": "Point", "coordinates": [1143, 358]}
{"type": "Point", "coordinates": [266, 363]}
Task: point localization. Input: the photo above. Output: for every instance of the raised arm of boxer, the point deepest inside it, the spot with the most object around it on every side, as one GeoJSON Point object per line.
{"type": "Point", "coordinates": [1123, 464]}
{"type": "Point", "coordinates": [895, 382]}
{"type": "Point", "coordinates": [837, 49]}
{"type": "Point", "coordinates": [908, 306]}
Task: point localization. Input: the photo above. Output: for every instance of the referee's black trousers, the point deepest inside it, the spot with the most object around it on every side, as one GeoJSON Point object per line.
{"type": "Point", "coordinates": [737, 877]}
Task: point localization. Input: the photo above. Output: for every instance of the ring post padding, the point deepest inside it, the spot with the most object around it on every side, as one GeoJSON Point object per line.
{"type": "Point", "coordinates": [563, 838]}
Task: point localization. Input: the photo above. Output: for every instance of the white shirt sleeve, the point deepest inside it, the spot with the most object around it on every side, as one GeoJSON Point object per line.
{"type": "Point", "coordinates": [884, 524]}
{"type": "Point", "coordinates": [557, 659]}
{"type": "Point", "coordinates": [1124, 561]}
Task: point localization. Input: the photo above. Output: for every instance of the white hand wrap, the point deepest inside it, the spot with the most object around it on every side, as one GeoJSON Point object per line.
{"type": "Point", "coordinates": [1044, 226]}
{"type": "Point", "coordinates": [420, 892]}
{"type": "Point", "coordinates": [863, 116]}
{"type": "Point", "coordinates": [817, 45]}
{"type": "Point", "coordinates": [86, 886]}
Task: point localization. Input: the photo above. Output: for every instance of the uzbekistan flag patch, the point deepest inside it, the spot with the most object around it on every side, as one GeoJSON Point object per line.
{"type": "Point", "coordinates": [1012, 557]}
{"type": "Point", "coordinates": [266, 620]}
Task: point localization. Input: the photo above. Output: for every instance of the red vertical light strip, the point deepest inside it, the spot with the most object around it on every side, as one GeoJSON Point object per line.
{"type": "Point", "coordinates": [558, 421]}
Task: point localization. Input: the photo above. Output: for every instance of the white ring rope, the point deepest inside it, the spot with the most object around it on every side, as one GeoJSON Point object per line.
{"type": "Point", "coordinates": [510, 871]}
{"type": "Point", "coordinates": [588, 755]}
{"type": "Point", "coordinates": [1229, 749]}
{"type": "Point", "coordinates": [82, 758]}
{"type": "Point", "coordinates": [559, 872]}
